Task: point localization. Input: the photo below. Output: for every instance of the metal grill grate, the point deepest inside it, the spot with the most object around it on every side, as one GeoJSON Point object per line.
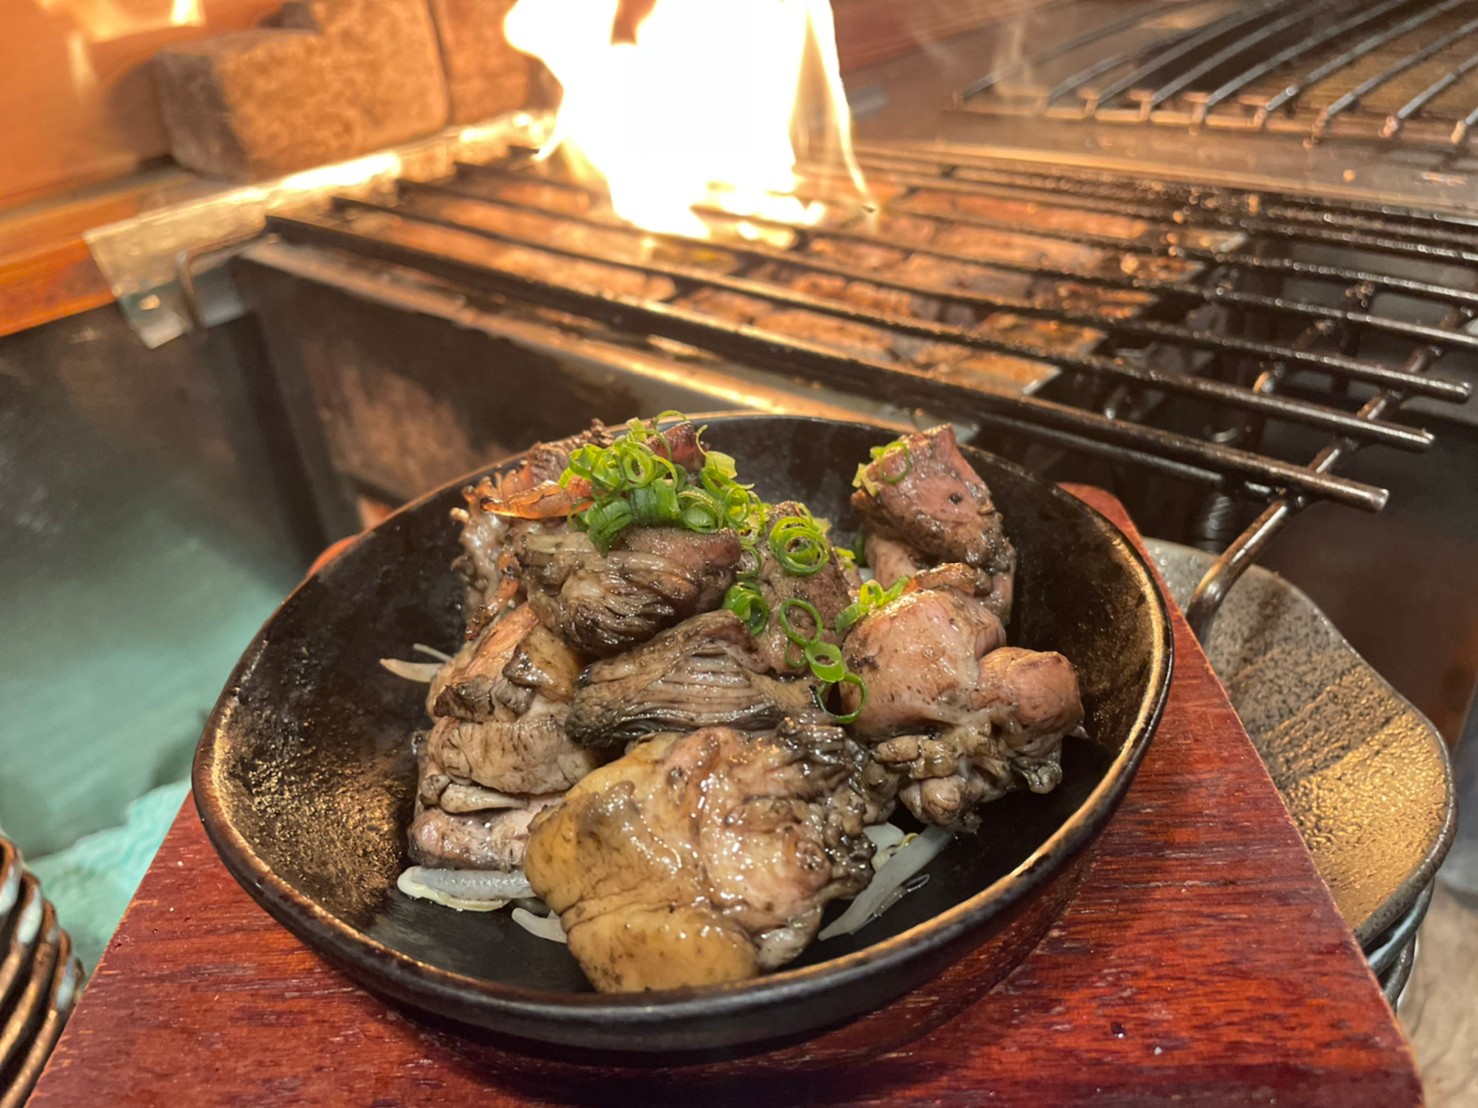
{"type": "Point", "coordinates": [1367, 69]}
{"type": "Point", "coordinates": [1064, 306]}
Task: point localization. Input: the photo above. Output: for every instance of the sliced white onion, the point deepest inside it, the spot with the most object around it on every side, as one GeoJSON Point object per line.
{"type": "Point", "coordinates": [477, 884]}
{"type": "Point", "coordinates": [432, 651]}
{"type": "Point", "coordinates": [464, 889]}
{"type": "Point", "coordinates": [887, 838]}
{"type": "Point", "coordinates": [874, 899]}
{"type": "Point", "coordinates": [545, 927]}
{"type": "Point", "coordinates": [866, 573]}
{"type": "Point", "coordinates": [412, 886]}
{"type": "Point", "coordinates": [424, 672]}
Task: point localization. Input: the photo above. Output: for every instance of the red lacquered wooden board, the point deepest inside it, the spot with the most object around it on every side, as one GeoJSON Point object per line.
{"type": "Point", "coordinates": [1202, 960]}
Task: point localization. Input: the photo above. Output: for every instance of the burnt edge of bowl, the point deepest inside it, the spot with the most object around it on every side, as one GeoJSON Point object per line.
{"type": "Point", "coordinates": [618, 1022]}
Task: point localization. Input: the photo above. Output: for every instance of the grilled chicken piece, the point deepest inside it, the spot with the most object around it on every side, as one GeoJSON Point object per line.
{"type": "Point", "coordinates": [527, 753]}
{"type": "Point", "coordinates": [435, 788]}
{"type": "Point", "coordinates": [500, 707]}
{"type": "Point", "coordinates": [493, 576]}
{"type": "Point", "coordinates": [544, 663]}
{"type": "Point", "coordinates": [830, 590]}
{"type": "Point", "coordinates": [994, 590]}
{"type": "Point", "coordinates": [891, 559]}
{"type": "Point", "coordinates": [930, 498]}
{"type": "Point", "coordinates": [547, 461]}
{"type": "Point", "coordinates": [704, 857]}
{"type": "Point", "coordinates": [1028, 701]}
{"type": "Point", "coordinates": [489, 524]}
{"type": "Point", "coordinates": [472, 685]}
{"type": "Point", "coordinates": [702, 673]}
{"type": "Point", "coordinates": [481, 564]}
{"type": "Point", "coordinates": [961, 718]}
{"type": "Point", "coordinates": [506, 667]}
{"type": "Point", "coordinates": [603, 603]}
{"type": "Point", "coordinates": [920, 659]}
{"type": "Point", "coordinates": [485, 840]}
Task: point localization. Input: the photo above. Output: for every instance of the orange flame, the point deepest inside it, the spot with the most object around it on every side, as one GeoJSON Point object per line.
{"type": "Point", "coordinates": [708, 106]}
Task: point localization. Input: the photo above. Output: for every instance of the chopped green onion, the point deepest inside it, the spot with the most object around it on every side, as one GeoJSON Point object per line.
{"type": "Point", "coordinates": [582, 462]}
{"type": "Point", "coordinates": [605, 471]}
{"type": "Point", "coordinates": [883, 455]}
{"type": "Point", "coordinates": [639, 466]}
{"type": "Point", "coordinates": [848, 679]}
{"type": "Point", "coordinates": [881, 458]}
{"type": "Point", "coordinates": [745, 601]}
{"type": "Point", "coordinates": [799, 545]}
{"type": "Point", "coordinates": [870, 598]}
{"type": "Point", "coordinates": [606, 521]}
{"type": "Point", "coordinates": [825, 661]}
{"type": "Point", "coordinates": [699, 511]}
{"type": "Point", "coordinates": [790, 631]}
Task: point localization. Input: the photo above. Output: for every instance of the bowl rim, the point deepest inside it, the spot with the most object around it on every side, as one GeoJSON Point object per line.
{"type": "Point", "coordinates": [423, 984]}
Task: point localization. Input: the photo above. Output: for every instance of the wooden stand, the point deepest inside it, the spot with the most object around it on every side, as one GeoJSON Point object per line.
{"type": "Point", "coordinates": [1202, 961]}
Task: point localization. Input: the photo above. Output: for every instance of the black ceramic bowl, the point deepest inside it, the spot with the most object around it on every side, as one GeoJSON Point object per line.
{"type": "Point", "coordinates": [304, 778]}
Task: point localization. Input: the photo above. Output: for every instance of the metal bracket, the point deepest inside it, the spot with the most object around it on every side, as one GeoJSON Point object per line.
{"type": "Point", "coordinates": [166, 266]}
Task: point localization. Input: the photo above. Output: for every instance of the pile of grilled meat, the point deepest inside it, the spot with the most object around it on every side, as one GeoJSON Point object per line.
{"type": "Point", "coordinates": [672, 779]}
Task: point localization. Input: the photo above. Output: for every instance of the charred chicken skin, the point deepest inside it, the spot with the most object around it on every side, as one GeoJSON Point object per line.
{"type": "Point", "coordinates": [702, 673]}
{"type": "Point", "coordinates": [703, 857]}
{"type": "Point", "coordinates": [602, 604]}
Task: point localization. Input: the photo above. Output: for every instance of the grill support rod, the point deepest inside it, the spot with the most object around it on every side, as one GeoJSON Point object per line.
{"type": "Point", "coordinates": [1228, 569]}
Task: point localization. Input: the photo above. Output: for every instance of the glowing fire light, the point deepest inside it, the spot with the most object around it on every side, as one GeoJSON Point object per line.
{"type": "Point", "coordinates": [710, 104]}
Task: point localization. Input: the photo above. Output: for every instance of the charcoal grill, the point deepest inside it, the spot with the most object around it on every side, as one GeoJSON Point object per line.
{"type": "Point", "coordinates": [1184, 331]}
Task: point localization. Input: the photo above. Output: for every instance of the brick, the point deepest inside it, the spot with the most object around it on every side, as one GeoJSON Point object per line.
{"type": "Point", "coordinates": [334, 78]}
{"type": "Point", "coordinates": [484, 75]}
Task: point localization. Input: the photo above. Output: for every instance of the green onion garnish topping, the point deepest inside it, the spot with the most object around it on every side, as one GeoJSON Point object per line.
{"type": "Point", "coordinates": [893, 461]}
{"type": "Point", "coordinates": [634, 482]}
{"type": "Point", "coordinates": [870, 598]}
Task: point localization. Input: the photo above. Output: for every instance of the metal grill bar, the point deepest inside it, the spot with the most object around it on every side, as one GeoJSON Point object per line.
{"type": "Point", "coordinates": [1300, 228]}
{"type": "Point", "coordinates": [1191, 73]}
{"type": "Point", "coordinates": [955, 175]}
{"type": "Point", "coordinates": [1237, 48]}
{"type": "Point", "coordinates": [1401, 65]}
{"type": "Point", "coordinates": [1088, 432]}
{"type": "Point", "coordinates": [1172, 195]}
{"type": "Point", "coordinates": [1335, 364]}
{"type": "Point", "coordinates": [1098, 34]}
{"type": "Point", "coordinates": [1311, 415]}
{"type": "Point", "coordinates": [1413, 106]}
{"type": "Point", "coordinates": [1177, 50]}
{"type": "Point", "coordinates": [1464, 125]}
{"type": "Point", "coordinates": [1209, 294]}
{"type": "Point", "coordinates": [1368, 45]}
{"type": "Point", "coordinates": [1170, 49]}
{"type": "Point", "coordinates": [1291, 53]}
{"type": "Point", "coordinates": [1245, 550]}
